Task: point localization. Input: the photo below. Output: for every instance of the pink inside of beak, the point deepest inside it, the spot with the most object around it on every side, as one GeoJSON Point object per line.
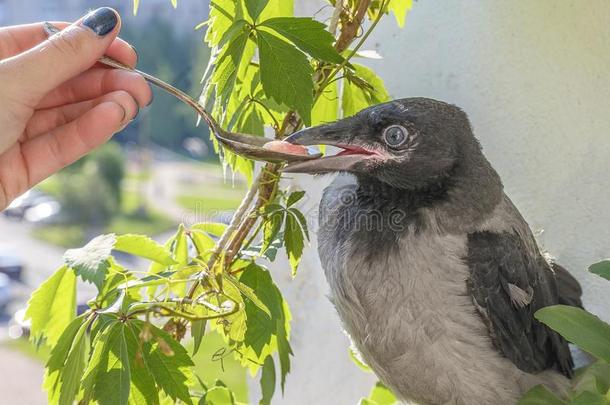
{"type": "Point", "coordinates": [354, 150]}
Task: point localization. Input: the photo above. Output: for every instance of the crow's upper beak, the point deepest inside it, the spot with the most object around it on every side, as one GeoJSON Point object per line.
{"type": "Point", "coordinates": [340, 134]}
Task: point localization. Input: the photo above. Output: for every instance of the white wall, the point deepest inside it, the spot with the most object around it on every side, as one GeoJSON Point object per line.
{"type": "Point", "coordinates": [534, 78]}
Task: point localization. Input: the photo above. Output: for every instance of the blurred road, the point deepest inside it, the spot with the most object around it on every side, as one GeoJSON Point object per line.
{"type": "Point", "coordinates": [22, 375]}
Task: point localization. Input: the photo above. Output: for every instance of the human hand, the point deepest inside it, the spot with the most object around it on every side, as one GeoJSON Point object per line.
{"type": "Point", "coordinates": [56, 103]}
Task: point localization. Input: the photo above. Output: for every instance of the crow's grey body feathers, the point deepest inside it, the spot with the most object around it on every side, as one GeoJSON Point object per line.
{"type": "Point", "coordinates": [433, 312]}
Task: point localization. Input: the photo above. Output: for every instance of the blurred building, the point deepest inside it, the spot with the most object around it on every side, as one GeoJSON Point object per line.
{"type": "Point", "coordinates": [188, 14]}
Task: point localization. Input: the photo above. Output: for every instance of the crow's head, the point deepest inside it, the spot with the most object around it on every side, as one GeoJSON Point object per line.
{"type": "Point", "coordinates": [408, 143]}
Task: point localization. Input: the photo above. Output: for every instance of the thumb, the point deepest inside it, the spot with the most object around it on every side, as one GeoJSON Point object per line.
{"type": "Point", "coordinates": [65, 54]}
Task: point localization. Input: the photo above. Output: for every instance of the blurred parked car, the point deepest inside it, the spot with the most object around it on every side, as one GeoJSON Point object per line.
{"type": "Point", "coordinates": [17, 209]}
{"type": "Point", "coordinates": [45, 211]}
{"type": "Point", "coordinates": [5, 292]}
{"type": "Point", "coordinates": [33, 206]}
{"type": "Point", "coordinates": [10, 264]}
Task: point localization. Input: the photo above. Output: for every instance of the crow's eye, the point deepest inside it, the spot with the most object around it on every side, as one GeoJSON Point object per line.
{"type": "Point", "coordinates": [395, 136]}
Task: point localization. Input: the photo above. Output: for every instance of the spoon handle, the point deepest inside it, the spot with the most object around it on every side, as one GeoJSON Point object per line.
{"type": "Point", "coordinates": [50, 29]}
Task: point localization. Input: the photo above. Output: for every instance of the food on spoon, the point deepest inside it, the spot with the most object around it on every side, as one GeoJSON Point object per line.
{"type": "Point", "coordinates": [285, 147]}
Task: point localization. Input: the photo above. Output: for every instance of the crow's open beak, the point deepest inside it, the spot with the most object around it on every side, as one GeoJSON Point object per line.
{"type": "Point", "coordinates": [339, 134]}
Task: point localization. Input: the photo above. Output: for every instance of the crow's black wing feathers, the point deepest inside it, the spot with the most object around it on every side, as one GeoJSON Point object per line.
{"type": "Point", "coordinates": [509, 284]}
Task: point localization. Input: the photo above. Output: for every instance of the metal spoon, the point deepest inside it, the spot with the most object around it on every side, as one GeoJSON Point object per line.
{"type": "Point", "coordinates": [249, 146]}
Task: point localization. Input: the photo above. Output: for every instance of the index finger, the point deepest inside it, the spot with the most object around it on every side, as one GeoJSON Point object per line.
{"type": "Point", "coordinates": [19, 38]}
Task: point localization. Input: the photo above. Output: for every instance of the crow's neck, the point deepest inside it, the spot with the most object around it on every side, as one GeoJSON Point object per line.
{"type": "Point", "coordinates": [377, 194]}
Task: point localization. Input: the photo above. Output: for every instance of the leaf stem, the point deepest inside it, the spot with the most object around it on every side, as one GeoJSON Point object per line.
{"type": "Point", "coordinates": [257, 101]}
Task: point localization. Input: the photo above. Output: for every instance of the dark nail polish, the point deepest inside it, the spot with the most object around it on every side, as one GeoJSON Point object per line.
{"type": "Point", "coordinates": [101, 21]}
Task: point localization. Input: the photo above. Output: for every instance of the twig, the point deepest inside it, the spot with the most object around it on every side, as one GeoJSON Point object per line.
{"type": "Point", "coordinates": [334, 20]}
{"type": "Point", "coordinates": [350, 27]}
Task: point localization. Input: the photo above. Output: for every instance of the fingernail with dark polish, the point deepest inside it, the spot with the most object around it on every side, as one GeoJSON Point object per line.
{"type": "Point", "coordinates": [101, 21]}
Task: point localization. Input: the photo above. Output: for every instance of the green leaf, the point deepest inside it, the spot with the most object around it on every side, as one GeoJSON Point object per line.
{"type": "Point", "coordinates": [228, 65]}
{"type": "Point", "coordinates": [381, 395]}
{"type": "Point", "coordinates": [264, 332]}
{"type": "Point", "coordinates": [117, 279]}
{"type": "Point", "coordinates": [119, 305]}
{"type": "Point", "coordinates": [255, 7]}
{"type": "Point", "coordinates": [294, 198]}
{"type": "Point", "coordinates": [239, 164]}
{"type": "Point", "coordinates": [308, 35]}
{"type": "Point", "coordinates": [326, 108]}
{"type": "Point", "coordinates": [589, 398]}
{"type": "Point", "coordinates": [259, 281]}
{"type": "Point", "coordinates": [108, 374]}
{"type": "Point", "coordinates": [218, 395]}
{"type": "Point", "coordinates": [180, 248]}
{"type": "Point", "coordinates": [356, 357]}
{"type": "Point", "coordinates": [293, 240]}
{"type": "Point", "coordinates": [222, 15]}
{"type": "Point", "coordinates": [143, 246]}
{"type": "Point", "coordinates": [52, 306]}
{"type": "Point", "coordinates": [149, 281]}
{"type": "Point", "coordinates": [301, 220]}
{"type": "Point", "coordinates": [248, 293]}
{"type": "Point", "coordinates": [197, 332]}
{"type": "Point", "coordinates": [74, 367]}
{"type": "Point", "coordinates": [91, 261]}
{"type": "Point", "coordinates": [55, 367]}
{"type": "Point", "coordinates": [602, 269]}
{"type": "Point", "coordinates": [271, 229]}
{"type": "Point", "coordinates": [278, 8]}
{"type": "Point", "coordinates": [580, 327]}
{"type": "Point", "coordinates": [279, 59]}
{"type": "Point", "coordinates": [155, 267]}
{"type": "Point", "coordinates": [267, 381]}
{"type": "Point", "coordinates": [235, 328]}
{"type": "Point", "coordinates": [356, 97]}
{"type": "Point", "coordinates": [539, 395]}
{"type": "Point", "coordinates": [213, 228]}
{"type": "Point", "coordinates": [283, 347]}
{"type": "Point", "coordinates": [172, 372]}
{"type": "Point", "coordinates": [143, 389]}
{"type": "Point", "coordinates": [251, 121]}
{"type": "Point", "coordinates": [400, 8]}
{"type": "Point", "coordinates": [594, 377]}
{"type": "Point", "coordinates": [202, 241]}
{"type": "Point", "coordinates": [232, 31]}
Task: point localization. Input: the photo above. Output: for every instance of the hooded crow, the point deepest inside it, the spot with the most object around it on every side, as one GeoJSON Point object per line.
{"type": "Point", "coordinates": [435, 274]}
